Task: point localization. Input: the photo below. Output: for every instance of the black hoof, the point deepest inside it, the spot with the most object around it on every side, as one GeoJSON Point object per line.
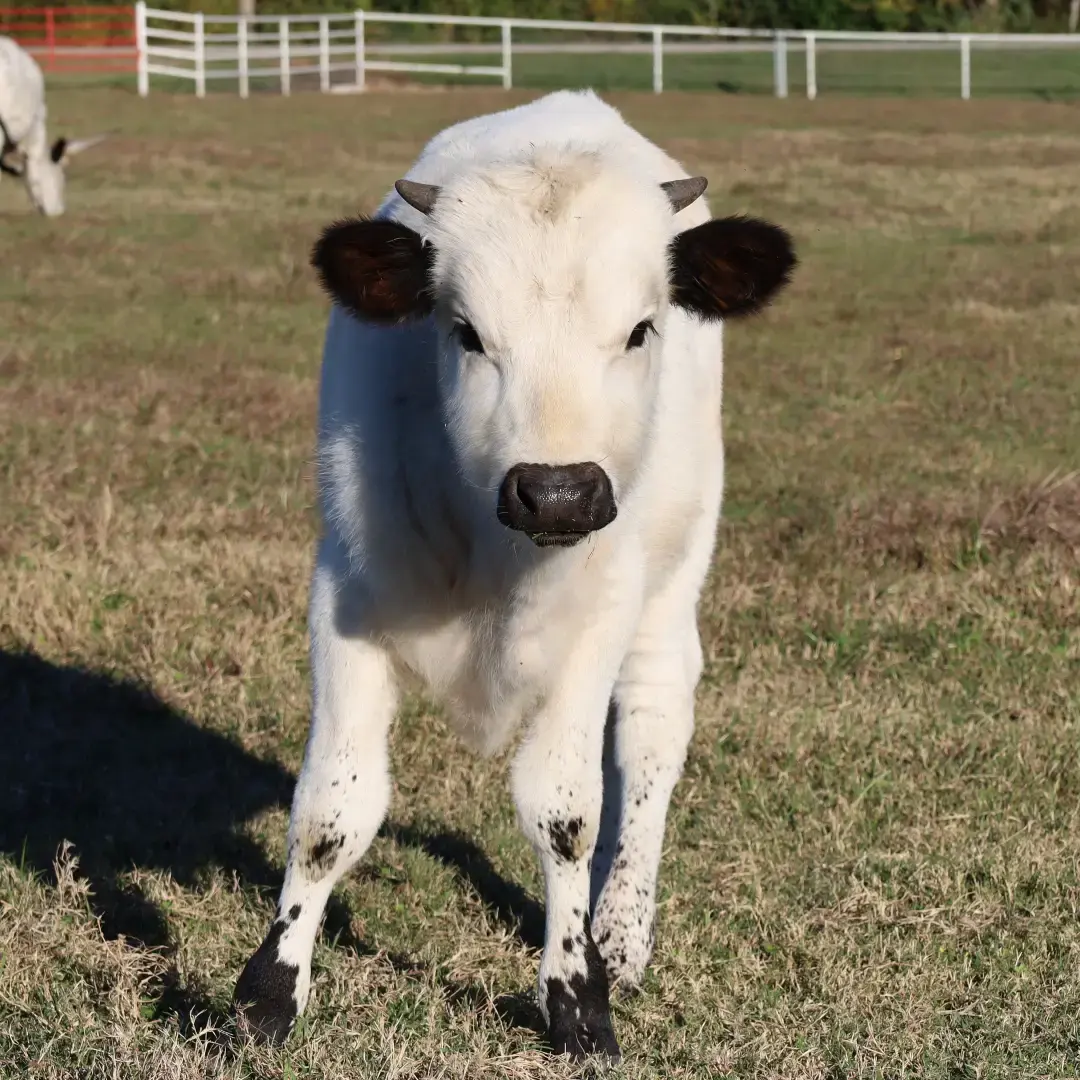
{"type": "Point", "coordinates": [585, 1039]}
{"type": "Point", "coordinates": [626, 991]}
{"type": "Point", "coordinates": [265, 996]}
{"type": "Point", "coordinates": [579, 1009]}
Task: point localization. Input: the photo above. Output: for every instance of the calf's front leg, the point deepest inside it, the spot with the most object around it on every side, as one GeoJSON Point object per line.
{"type": "Point", "coordinates": [649, 730]}
{"type": "Point", "coordinates": [558, 791]}
{"type": "Point", "coordinates": [341, 798]}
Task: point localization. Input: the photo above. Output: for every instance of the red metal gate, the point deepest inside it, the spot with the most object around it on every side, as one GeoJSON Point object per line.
{"type": "Point", "coordinates": [73, 40]}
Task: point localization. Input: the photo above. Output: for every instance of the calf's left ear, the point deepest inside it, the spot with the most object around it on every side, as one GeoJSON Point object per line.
{"type": "Point", "coordinates": [730, 267]}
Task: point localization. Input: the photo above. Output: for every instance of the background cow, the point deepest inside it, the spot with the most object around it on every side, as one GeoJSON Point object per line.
{"type": "Point", "coordinates": [24, 145]}
{"type": "Point", "coordinates": [521, 470]}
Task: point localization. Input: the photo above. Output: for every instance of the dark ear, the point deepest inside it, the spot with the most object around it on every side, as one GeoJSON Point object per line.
{"type": "Point", "coordinates": [377, 270]}
{"type": "Point", "coordinates": [9, 167]}
{"type": "Point", "coordinates": [729, 267]}
{"type": "Point", "coordinates": [57, 151]}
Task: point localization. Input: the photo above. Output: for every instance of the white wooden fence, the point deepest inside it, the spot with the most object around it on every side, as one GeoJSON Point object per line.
{"type": "Point", "coordinates": [236, 49]}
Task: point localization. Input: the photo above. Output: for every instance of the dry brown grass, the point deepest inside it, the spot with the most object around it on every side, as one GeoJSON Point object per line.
{"type": "Point", "coordinates": [871, 867]}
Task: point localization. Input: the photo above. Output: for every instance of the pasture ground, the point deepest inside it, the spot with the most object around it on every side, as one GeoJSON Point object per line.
{"type": "Point", "coordinates": [871, 867]}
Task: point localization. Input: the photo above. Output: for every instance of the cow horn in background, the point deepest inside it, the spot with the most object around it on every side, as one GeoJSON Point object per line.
{"type": "Point", "coordinates": [681, 193]}
{"type": "Point", "coordinates": [419, 196]}
{"type": "Point", "coordinates": [77, 146]}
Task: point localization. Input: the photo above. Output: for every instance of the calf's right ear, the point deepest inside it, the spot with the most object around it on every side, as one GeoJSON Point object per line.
{"type": "Point", "coordinates": [376, 270]}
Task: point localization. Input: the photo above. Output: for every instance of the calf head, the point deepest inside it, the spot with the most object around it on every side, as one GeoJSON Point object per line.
{"type": "Point", "coordinates": [551, 282]}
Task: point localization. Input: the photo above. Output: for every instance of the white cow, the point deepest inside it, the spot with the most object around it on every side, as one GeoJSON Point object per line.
{"type": "Point", "coordinates": [22, 131]}
{"type": "Point", "coordinates": [520, 472]}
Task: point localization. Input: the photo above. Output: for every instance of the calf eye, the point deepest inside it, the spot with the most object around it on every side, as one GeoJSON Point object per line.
{"type": "Point", "coordinates": [469, 338]}
{"type": "Point", "coordinates": [639, 333]}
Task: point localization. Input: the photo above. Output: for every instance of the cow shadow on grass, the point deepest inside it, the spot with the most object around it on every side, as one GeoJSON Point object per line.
{"type": "Point", "coordinates": [507, 901]}
{"type": "Point", "coordinates": [133, 783]}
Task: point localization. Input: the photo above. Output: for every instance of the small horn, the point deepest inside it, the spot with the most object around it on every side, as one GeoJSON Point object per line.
{"type": "Point", "coordinates": [77, 146]}
{"type": "Point", "coordinates": [682, 193]}
{"type": "Point", "coordinates": [419, 196]}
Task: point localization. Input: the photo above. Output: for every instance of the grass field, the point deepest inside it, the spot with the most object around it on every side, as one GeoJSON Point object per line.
{"type": "Point", "coordinates": [871, 867]}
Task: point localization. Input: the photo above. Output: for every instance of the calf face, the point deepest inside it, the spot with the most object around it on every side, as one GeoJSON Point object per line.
{"type": "Point", "coordinates": [551, 282]}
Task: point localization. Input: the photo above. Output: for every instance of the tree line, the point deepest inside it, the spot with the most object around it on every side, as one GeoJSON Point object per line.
{"type": "Point", "coordinates": [974, 15]}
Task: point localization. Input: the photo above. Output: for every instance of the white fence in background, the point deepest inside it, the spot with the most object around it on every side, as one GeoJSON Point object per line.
{"type": "Point", "coordinates": [237, 49]}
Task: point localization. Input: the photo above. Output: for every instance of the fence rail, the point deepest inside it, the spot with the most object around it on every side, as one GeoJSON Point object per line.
{"type": "Point", "coordinates": [337, 52]}
{"type": "Point", "coordinates": [87, 38]}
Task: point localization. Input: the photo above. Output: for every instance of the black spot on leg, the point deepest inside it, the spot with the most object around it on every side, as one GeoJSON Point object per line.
{"type": "Point", "coordinates": [294, 912]}
{"type": "Point", "coordinates": [579, 1011]}
{"type": "Point", "coordinates": [265, 995]}
{"type": "Point", "coordinates": [565, 838]}
{"type": "Point", "coordinates": [323, 853]}
{"type": "Point", "coordinates": [568, 944]}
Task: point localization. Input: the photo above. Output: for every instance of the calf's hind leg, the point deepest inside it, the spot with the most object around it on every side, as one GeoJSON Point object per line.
{"type": "Point", "coordinates": [341, 798]}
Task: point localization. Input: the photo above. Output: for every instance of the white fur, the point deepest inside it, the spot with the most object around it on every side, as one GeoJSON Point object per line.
{"type": "Point", "coordinates": [23, 114]}
{"type": "Point", "coordinates": [552, 235]}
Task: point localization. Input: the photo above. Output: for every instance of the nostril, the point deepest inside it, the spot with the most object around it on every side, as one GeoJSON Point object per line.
{"type": "Point", "coordinates": [601, 499]}
{"type": "Point", "coordinates": [527, 496]}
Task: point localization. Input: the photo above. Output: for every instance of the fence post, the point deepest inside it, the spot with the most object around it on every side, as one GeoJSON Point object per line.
{"type": "Point", "coordinates": [142, 61]}
{"type": "Point", "coordinates": [283, 55]}
{"type": "Point", "coordinates": [780, 65]}
{"type": "Point", "coordinates": [359, 45]}
{"type": "Point", "coordinates": [324, 54]}
{"type": "Point", "coordinates": [200, 55]}
{"type": "Point", "coordinates": [507, 56]}
{"type": "Point", "coordinates": [50, 39]}
{"type": "Point", "coordinates": [811, 66]}
{"type": "Point", "coordinates": [965, 67]}
{"type": "Point", "coordinates": [242, 53]}
{"type": "Point", "coordinates": [657, 60]}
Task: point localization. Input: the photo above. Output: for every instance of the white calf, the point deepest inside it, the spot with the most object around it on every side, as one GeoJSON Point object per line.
{"type": "Point", "coordinates": [521, 472]}
{"type": "Point", "coordinates": [22, 131]}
